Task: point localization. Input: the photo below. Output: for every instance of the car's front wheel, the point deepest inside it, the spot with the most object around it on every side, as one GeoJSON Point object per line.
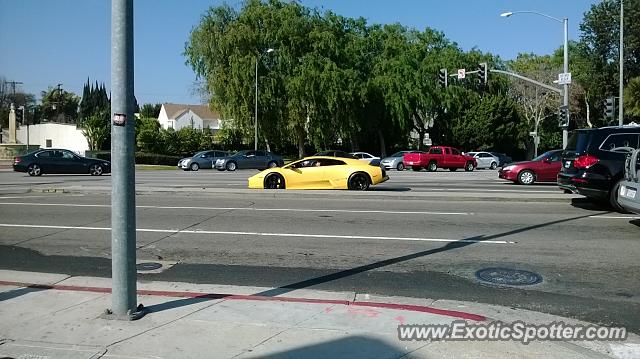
{"type": "Point", "coordinates": [194, 166]}
{"type": "Point", "coordinates": [274, 181]}
{"type": "Point", "coordinates": [95, 170]}
{"type": "Point", "coordinates": [231, 166]}
{"type": "Point", "coordinates": [359, 182]}
{"type": "Point", "coordinates": [469, 167]}
{"type": "Point", "coordinates": [433, 166]}
{"type": "Point", "coordinates": [34, 170]}
{"type": "Point", "coordinates": [526, 177]}
{"type": "Point", "coordinates": [272, 164]}
{"type": "Point", "coordinates": [494, 165]}
{"type": "Point", "coordinates": [400, 166]}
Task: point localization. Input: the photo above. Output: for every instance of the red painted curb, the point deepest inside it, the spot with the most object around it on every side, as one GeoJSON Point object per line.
{"type": "Point", "coordinates": [212, 296]}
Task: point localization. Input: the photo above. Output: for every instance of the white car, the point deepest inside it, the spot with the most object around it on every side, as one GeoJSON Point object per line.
{"type": "Point", "coordinates": [364, 156]}
{"type": "Point", "coordinates": [485, 159]}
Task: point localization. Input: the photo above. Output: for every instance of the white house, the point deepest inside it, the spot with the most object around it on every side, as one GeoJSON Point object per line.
{"type": "Point", "coordinates": [179, 116]}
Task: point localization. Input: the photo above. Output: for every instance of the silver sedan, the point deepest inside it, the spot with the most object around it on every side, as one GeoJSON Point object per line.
{"type": "Point", "coordinates": [394, 161]}
{"type": "Point", "coordinates": [485, 159]}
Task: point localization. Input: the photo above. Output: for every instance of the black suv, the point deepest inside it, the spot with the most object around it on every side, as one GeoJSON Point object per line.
{"type": "Point", "coordinates": [593, 162]}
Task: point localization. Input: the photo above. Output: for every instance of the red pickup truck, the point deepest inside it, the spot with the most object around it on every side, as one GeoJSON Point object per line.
{"type": "Point", "coordinates": [439, 157]}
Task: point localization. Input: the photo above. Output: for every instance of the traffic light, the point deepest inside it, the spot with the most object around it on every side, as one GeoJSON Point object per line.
{"type": "Point", "coordinates": [443, 78]}
{"type": "Point", "coordinates": [563, 116]}
{"type": "Point", "coordinates": [609, 107]}
{"type": "Point", "coordinates": [482, 73]}
{"type": "Point", "coordinates": [20, 115]}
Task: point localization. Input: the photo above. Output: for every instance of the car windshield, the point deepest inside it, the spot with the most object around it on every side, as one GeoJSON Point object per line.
{"type": "Point", "coordinates": [398, 154]}
{"type": "Point", "coordinates": [543, 156]}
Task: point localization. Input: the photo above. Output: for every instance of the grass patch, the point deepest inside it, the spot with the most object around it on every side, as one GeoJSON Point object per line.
{"type": "Point", "coordinates": [155, 167]}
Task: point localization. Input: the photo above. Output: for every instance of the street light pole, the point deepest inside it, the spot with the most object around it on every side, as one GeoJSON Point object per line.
{"type": "Point", "coordinates": [621, 88]}
{"type": "Point", "coordinates": [565, 99]}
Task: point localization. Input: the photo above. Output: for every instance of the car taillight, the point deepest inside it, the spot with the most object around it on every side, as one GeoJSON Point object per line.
{"type": "Point", "coordinates": [17, 160]}
{"type": "Point", "coordinates": [585, 161]}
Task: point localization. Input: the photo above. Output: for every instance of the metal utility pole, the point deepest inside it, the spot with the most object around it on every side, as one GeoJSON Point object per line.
{"type": "Point", "coordinates": [565, 100]}
{"type": "Point", "coordinates": [621, 89]}
{"type": "Point", "coordinates": [255, 116]}
{"type": "Point", "coordinates": [123, 203]}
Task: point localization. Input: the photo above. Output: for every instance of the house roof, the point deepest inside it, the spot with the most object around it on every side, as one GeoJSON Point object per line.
{"type": "Point", "coordinates": [174, 110]}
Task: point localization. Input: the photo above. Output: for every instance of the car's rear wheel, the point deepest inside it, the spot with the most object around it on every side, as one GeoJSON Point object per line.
{"type": "Point", "coordinates": [433, 166]}
{"type": "Point", "coordinates": [400, 166]}
{"type": "Point", "coordinates": [274, 181]}
{"type": "Point", "coordinates": [95, 170]}
{"type": "Point", "coordinates": [494, 165]}
{"type": "Point", "coordinates": [359, 182]}
{"type": "Point", "coordinates": [231, 166]}
{"type": "Point", "coordinates": [272, 164]}
{"type": "Point", "coordinates": [526, 177]}
{"type": "Point", "coordinates": [34, 170]}
{"type": "Point", "coordinates": [194, 166]}
{"type": "Point", "coordinates": [469, 166]}
{"type": "Point", "coordinates": [416, 168]}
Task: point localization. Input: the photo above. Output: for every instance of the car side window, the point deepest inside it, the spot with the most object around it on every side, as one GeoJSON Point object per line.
{"type": "Point", "coordinates": [261, 153]}
{"type": "Point", "coordinates": [67, 155]}
{"type": "Point", "coordinates": [622, 142]}
{"type": "Point", "coordinates": [44, 154]}
{"type": "Point", "coordinates": [436, 151]}
{"type": "Point", "coordinates": [555, 157]}
{"type": "Point", "coordinates": [330, 162]}
{"type": "Point", "coordinates": [250, 154]}
{"type": "Point", "coordinates": [454, 151]}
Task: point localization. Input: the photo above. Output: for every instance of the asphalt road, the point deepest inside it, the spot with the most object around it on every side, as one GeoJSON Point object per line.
{"type": "Point", "coordinates": [429, 248]}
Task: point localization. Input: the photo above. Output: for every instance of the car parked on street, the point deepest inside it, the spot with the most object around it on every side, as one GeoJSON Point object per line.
{"type": "Point", "coordinates": [202, 159]}
{"type": "Point", "coordinates": [59, 161]}
{"type": "Point", "coordinates": [628, 197]}
{"type": "Point", "coordinates": [593, 162]}
{"type": "Point", "coordinates": [504, 159]}
{"type": "Point", "coordinates": [395, 160]}
{"type": "Point", "coordinates": [485, 159]}
{"type": "Point", "coordinates": [439, 157]}
{"type": "Point", "coordinates": [249, 159]}
{"type": "Point", "coordinates": [364, 156]}
{"type": "Point", "coordinates": [543, 168]}
{"type": "Point", "coordinates": [321, 172]}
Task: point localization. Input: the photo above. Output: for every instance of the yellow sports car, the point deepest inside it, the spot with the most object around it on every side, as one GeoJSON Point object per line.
{"type": "Point", "coordinates": [320, 172]}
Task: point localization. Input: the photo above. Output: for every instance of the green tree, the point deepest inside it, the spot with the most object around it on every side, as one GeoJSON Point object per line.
{"type": "Point", "coordinates": [632, 98]}
{"type": "Point", "coordinates": [59, 105]}
{"type": "Point", "coordinates": [149, 110]}
{"type": "Point", "coordinates": [96, 130]}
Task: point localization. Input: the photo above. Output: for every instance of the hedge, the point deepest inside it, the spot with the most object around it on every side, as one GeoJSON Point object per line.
{"type": "Point", "coordinates": [141, 158]}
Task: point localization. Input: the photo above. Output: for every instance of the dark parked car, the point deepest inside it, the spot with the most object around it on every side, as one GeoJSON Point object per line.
{"type": "Point", "coordinates": [593, 162]}
{"type": "Point", "coordinates": [504, 159]}
{"type": "Point", "coordinates": [202, 159]}
{"type": "Point", "coordinates": [249, 159]}
{"type": "Point", "coordinates": [50, 160]}
{"type": "Point", "coordinates": [543, 168]}
{"type": "Point", "coordinates": [336, 153]}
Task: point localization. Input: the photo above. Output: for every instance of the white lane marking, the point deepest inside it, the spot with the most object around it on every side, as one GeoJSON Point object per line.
{"type": "Point", "coordinates": [243, 209]}
{"type": "Point", "coordinates": [264, 234]}
{"type": "Point", "coordinates": [615, 217]}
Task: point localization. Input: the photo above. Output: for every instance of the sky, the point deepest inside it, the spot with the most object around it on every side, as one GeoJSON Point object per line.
{"type": "Point", "coordinates": [47, 42]}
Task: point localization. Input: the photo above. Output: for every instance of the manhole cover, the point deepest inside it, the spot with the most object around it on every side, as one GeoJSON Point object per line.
{"type": "Point", "coordinates": [147, 266]}
{"type": "Point", "coordinates": [506, 276]}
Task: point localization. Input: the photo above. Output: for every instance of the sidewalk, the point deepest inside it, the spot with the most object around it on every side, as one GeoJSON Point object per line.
{"type": "Point", "coordinates": [60, 318]}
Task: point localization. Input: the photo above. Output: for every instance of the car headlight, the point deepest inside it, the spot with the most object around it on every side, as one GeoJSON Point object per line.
{"type": "Point", "coordinates": [508, 168]}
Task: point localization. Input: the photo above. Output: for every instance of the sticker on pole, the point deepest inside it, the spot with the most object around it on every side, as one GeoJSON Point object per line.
{"type": "Point", "coordinates": [564, 78]}
{"type": "Point", "coordinates": [461, 73]}
{"type": "Point", "coordinates": [119, 119]}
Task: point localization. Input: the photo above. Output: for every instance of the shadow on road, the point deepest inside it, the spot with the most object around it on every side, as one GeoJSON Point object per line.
{"type": "Point", "coordinates": [368, 267]}
{"type": "Point", "coordinates": [14, 293]}
{"type": "Point", "coordinates": [590, 205]}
